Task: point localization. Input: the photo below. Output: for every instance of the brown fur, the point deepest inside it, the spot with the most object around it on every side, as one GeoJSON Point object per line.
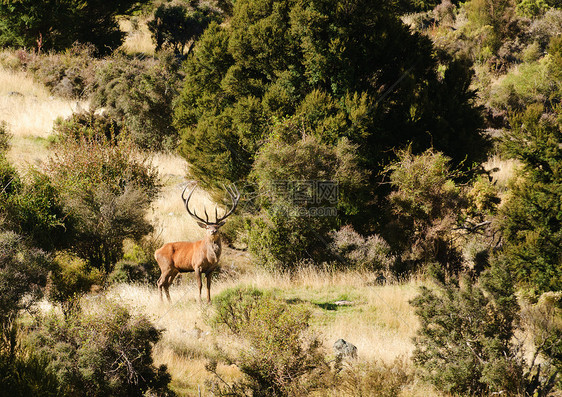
{"type": "Point", "coordinates": [201, 257]}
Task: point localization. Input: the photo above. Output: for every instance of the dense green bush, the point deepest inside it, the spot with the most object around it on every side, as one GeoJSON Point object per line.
{"type": "Point", "coordinates": [531, 216]}
{"type": "Point", "coordinates": [280, 357]}
{"type": "Point", "coordinates": [234, 308]}
{"type": "Point", "coordinates": [138, 95]}
{"type": "Point", "coordinates": [69, 280]}
{"type": "Point", "coordinates": [24, 374]}
{"type": "Point", "coordinates": [426, 205]}
{"type": "Point", "coordinates": [68, 74]}
{"type": "Point", "coordinates": [464, 344]}
{"type": "Point", "coordinates": [101, 351]}
{"type": "Point", "coordinates": [86, 124]}
{"type": "Point", "coordinates": [297, 214]}
{"type": "Point", "coordinates": [324, 64]}
{"type": "Point", "coordinates": [30, 205]}
{"type": "Point", "coordinates": [23, 275]}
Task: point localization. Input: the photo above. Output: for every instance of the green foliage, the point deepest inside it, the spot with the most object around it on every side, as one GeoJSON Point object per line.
{"type": "Point", "coordinates": [86, 125]}
{"type": "Point", "coordinates": [532, 8]}
{"type": "Point", "coordinates": [296, 217]}
{"type": "Point", "coordinates": [138, 95]}
{"type": "Point", "coordinates": [36, 211]}
{"type": "Point", "coordinates": [464, 344]}
{"type": "Point", "coordinates": [106, 188]}
{"type": "Point", "coordinates": [341, 70]}
{"type": "Point", "coordinates": [69, 280]}
{"type": "Point", "coordinates": [4, 138]}
{"type": "Point", "coordinates": [426, 204]}
{"type": "Point", "coordinates": [23, 275]}
{"type": "Point", "coordinates": [131, 272]}
{"type": "Point", "coordinates": [174, 26]}
{"type": "Point", "coordinates": [56, 25]}
{"type": "Point", "coordinates": [280, 357]}
{"type": "Point", "coordinates": [105, 351]}
{"type": "Point", "coordinates": [531, 83]}
{"type": "Point", "coordinates": [544, 320]}
{"type": "Point", "coordinates": [23, 374]}
{"type": "Point", "coordinates": [234, 308]}
{"type": "Point", "coordinates": [531, 219]}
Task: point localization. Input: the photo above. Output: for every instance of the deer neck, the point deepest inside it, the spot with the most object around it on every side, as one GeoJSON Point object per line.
{"type": "Point", "coordinates": [214, 247]}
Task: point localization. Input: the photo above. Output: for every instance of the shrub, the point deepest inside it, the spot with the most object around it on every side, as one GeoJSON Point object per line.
{"type": "Point", "coordinates": [69, 280]}
{"type": "Point", "coordinates": [101, 351]}
{"type": "Point", "coordinates": [426, 204]}
{"type": "Point", "coordinates": [31, 24]}
{"type": "Point", "coordinates": [36, 210]}
{"type": "Point", "coordinates": [68, 74]}
{"type": "Point", "coordinates": [129, 272]}
{"type": "Point", "coordinates": [24, 374]}
{"type": "Point", "coordinates": [106, 188]}
{"type": "Point", "coordinates": [23, 275]}
{"type": "Point", "coordinates": [174, 26]}
{"type": "Point", "coordinates": [308, 185]}
{"type": "Point", "coordinates": [4, 138]}
{"type": "Point", "coordinates": [86, 125]}
{"type": "Point", "coordinates": [234, 308]}
{"type": "Point", "coordinates": [280, 357]}
{"type": "Point", "coordinates": [531, 216]}
{"type": "Point", "coordinates": [138, 95]}
{"type": "Point", "coordinates": [464, 344]}
{"type": "Point", "coordinates": [358, 252]}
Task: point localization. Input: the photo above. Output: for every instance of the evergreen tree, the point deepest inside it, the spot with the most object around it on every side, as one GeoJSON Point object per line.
{"type": "Point", "coordinates": [532, 215]}
{"type": "Point", "coordinates": [350, 69]}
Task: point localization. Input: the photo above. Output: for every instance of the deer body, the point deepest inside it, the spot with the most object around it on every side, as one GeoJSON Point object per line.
{"type": "Point", "coordinates": [201, 257]}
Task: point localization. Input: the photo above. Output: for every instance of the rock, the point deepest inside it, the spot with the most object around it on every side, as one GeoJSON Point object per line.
{"type": "Point", "coordinates": [345, 349]}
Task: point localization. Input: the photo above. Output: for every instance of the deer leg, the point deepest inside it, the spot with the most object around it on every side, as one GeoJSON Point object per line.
{"type": "Point", "coordinates": [169, 280]}
{"type": "Point", "coordinates": [161, 285]}
{"type": "Point", "coordinates": [199, 283]}
{"type": "Point", "coordinates": [208, 278]}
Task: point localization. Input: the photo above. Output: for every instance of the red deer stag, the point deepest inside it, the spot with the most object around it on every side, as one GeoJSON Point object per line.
{"type": "Point", "coordinates": [199, 256]}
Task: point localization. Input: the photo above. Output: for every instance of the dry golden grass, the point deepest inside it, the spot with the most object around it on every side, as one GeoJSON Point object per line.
{"type": "Point", "coordinates": [27, 106]}
{"type": "Point", "coordinates": [29, 111]}
{"type": "Point", "coordinates": [501, 170]}
{"type": "Point", "coordinates": [379, 320]}
{"type": "Point", "coordinates": [138, 39]}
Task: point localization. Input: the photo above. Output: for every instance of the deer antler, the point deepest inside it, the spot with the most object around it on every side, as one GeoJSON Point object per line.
{"type": "Point", "coordinates": [235, 196]}
{"type": "Point", "coordinates": [232, 192]}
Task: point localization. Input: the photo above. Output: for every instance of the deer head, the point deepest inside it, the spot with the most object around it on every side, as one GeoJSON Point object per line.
{"type": "Point", "coordinates": [212, 227]}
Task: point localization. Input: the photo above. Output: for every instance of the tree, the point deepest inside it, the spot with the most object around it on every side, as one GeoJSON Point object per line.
{"type": "Point", "coordinates": [57, 24]}
{"type": "Point", "coordinates": [350, 69]}
{"type": "Point", "coordinates": [532, 218]}
{"type": "Point", "coordinates": [426, 205]}
{"type": "Point", "coordinates": [307, 186]}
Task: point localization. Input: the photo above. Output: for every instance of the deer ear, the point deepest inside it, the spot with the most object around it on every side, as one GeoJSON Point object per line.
{"type": "Point", "coordinates": [221, 223]}
{"type": "Point", "coordinates": [201, 224]}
